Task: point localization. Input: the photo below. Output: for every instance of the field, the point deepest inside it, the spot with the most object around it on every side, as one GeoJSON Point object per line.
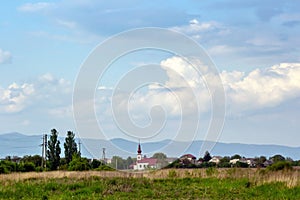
{"type": "Point", "coordinates": [209, 183]}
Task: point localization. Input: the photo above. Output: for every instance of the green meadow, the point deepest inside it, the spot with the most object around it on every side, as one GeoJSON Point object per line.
{"type": "Point", "coordinates": [168, 184]}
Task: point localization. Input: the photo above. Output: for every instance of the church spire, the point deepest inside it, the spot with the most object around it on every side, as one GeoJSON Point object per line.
{"type": "Point", "coordinates": [139, 151]}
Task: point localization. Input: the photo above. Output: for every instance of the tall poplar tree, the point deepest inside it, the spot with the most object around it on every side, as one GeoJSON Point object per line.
{"type": "Point", "coordinates": [70, 146]}
{"type": "Point", "coordinates": [53, 151]}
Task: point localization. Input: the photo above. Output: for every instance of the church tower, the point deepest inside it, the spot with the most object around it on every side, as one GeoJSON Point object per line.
{"type": "Point", "coordinates": [139, 151]}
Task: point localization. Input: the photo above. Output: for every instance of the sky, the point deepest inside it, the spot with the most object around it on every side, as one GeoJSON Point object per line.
{"type": "Point", "coordinates": [254, 45]}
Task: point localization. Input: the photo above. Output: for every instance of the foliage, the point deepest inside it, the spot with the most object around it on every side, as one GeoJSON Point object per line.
{"type": "Point", "coordinates": [70, 146]}
{"type": "Point", "coordinates": [27, 167]}
{"type": "Point", "coordinates": [241, 164]}
{"type": "Point", "coordinates": [160, 156]}
{"type": "Point", "coordinates": [105, 168]}
{"type": "Point", "coordinates": [120, 163]}
{"type": "Point", "coordinates": [277, 158]}
{"type": "Point", "coordinates": [53, 152]}
{"type": "Point", "coordinates": [280, 165]}
{"type": "Point", "coordinates": [206, 157]}
{"type": "Point", "coordinates": [78, 163]}
{"type": "Point", "coordinates": [260, 160]}
{"type": "Point", "coordinates": [95, 163]}
{"type": "Point", "coordinates": [236, 156]}
{"type": "Point", "coordinates": [36, 159]}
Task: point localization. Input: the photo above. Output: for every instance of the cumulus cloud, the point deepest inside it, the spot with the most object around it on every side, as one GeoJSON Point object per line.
{"type": "Point", "coordinates": [45, 92]}
{"type": "Point", "coordinates": [262, 88]}
{"type": "Point", "coordinates": [15, 97]}
{"type": "Point", "coordinates": [252, 91]}
{"type": "Point", "coordinates": [183, 91]}
{"type": "Point", "coordinates": [5, 57]}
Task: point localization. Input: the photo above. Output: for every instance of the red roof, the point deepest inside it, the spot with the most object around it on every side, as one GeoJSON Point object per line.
{"type": "Point", "coordinates": [150, 161]}
{"type": "Point", "coordinates": [188, 156]}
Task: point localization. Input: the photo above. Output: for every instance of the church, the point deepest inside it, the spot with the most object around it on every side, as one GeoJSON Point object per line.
{"type": "Point", "coordinates": [144, 163]}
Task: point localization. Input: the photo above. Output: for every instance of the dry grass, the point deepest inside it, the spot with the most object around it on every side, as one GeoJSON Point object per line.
{"type": "Point", "coordinates": [256, 176]}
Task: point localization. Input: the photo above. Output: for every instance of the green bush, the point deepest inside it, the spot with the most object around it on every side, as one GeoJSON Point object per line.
{"type": "Point", "coordinates": [3, 169]}
{"type": "Point", "coordinates": [26, 167]}
{"type": "Point", "coordinates": [105, 168]}
{"type": "Point", "coordinates": [95, 164]}
{"type": "Point", "coordinates": [39, 169]}
{"type": "Point", "coordinates": [280, 165]}
{"type": "Point", "coordinates": [78, 164]}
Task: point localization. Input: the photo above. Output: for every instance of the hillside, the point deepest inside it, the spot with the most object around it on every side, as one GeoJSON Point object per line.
{"type": "Point", "coordinates": [19, 144]}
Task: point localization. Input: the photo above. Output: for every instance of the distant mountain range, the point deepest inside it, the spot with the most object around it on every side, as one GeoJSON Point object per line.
{"type": "Point", "coordinates": [17, 144]}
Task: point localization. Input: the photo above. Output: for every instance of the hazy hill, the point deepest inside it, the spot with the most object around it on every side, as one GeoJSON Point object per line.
{"type": "Point", "coordinates": [20, 145]}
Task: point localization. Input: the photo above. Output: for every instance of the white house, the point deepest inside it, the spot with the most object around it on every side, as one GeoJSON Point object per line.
{"type": "Point", "coordinates": [215, 159]}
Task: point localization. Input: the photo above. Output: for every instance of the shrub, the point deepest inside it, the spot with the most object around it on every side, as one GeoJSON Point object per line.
{"type": "Point", "coordinates": [26, 167]}
{"type": "Point", "coordinates": [78, 164]}
{"type": "Point", "coordinates": [95, 164]}
{"type": "Point", "coordinates": [3, 169]}
{"type": "Point", "coordinates": [280, 165]}
{"type": "Point", "coordinates": [38, 169]}
{"type": "Point", "coordinates": [105, 168]}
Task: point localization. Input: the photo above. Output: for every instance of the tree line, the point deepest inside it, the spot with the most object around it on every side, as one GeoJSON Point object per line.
{"type": "Point", "coordinates": [72, 159]}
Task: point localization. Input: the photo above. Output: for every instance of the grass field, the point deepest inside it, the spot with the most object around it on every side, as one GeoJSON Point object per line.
{"type": "Point", "coordinates": [162, 184]}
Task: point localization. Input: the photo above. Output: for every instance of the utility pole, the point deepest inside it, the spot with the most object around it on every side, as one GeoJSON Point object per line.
{"type": "Point", "coordinates": [79, 148]}
{"type": "Point", "coordinates": [44, 149]}
{"type": "Point", "coordinates": [103, 156]}
{"type": "Point", "coordinates": [116, 163]}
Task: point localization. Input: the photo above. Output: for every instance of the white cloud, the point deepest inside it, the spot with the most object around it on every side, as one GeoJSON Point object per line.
{"type": "Point", "coordinates": [203, 30]}
{"type": "Point", "coordinates": [66, 23]}
{"type": "Point", "coordinates": [34, 7]}
{"type": "Point", "coordinates": [184, 91]}
{"type": "Point", "coordinates": [15, 97]}
{"type": "Point", "coordinates": [5, 57]}
{"type": "Point", "coordinates": [262, 88]}
{"type": "Point", "coordinates": [253, 91]}
{"type": "Point", "coordinates": [43, 93]}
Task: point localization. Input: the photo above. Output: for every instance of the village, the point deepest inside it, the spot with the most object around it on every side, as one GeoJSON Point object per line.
{"type": "Point", "coordinates": [160, 160]}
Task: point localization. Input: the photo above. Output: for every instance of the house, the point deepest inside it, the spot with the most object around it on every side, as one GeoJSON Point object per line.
{"type": "Point", "coordinates": [188, 159]}
{"type": "Point", "coordinates": [267, 163]}
{"type": "Point", "coordinates": [215, 159]}
{"type": "Point", "coordinates": [144, 163]}
{"type": "Point", "coordinates": [234, 161]}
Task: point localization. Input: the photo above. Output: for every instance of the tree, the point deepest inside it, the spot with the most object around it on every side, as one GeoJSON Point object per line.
{"type": "Point", "coordinates": [70, 146]}
{"type": "Point", "coordinates": [36, 160]}
{"type": "Point", "coordinates": [53, 152]}
{"type": "Point", "coordinates": [260, 161]}
{"type": "Point", "coordinates": [277, 158]}
{"type": "Point", "coordinates": [160, 156]}
{"type": "Point", "coordinates": [206, 157]}
{"type": "Point", "coordinates": [236, 156]}
{"type": "Point", "coordinates": [161, 159]}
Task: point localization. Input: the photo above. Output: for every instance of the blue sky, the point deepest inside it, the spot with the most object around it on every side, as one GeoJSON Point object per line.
{"type": "Point", "coordinates": [254, 44]}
